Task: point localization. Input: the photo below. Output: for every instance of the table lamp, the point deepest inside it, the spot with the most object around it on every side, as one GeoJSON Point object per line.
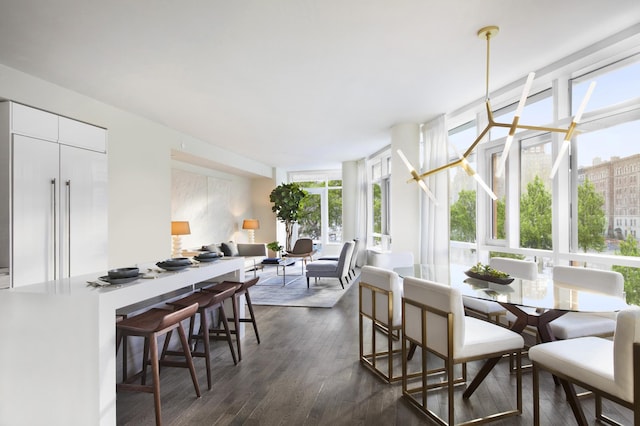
{"type": "Point", "coordinates": [251, 225]}
{"type": "Point", "coordinates": [177, 229]}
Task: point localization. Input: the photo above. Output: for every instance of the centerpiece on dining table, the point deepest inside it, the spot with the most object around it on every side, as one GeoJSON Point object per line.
{"type": "Point", "coordinates": [487, 273]}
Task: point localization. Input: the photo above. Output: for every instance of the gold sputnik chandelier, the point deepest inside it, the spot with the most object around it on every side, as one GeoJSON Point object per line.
{"type": "Point", "coordinates": [487, 33]}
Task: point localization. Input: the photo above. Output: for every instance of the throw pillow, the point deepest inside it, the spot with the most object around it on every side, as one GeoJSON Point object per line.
{"type": "Point", "coordinates": [229, 249]}
{"type": "Point", "coordinates": [214, 248]}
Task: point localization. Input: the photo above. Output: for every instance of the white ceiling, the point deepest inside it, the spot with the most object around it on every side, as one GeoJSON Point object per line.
{"type": "Point", "coordinates": [297, 84]}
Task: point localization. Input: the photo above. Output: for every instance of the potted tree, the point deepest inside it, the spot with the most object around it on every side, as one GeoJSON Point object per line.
{"type": "Point", "coordinates": [275, 247]}
{"type": "Point", "coordinates": [287, 199]}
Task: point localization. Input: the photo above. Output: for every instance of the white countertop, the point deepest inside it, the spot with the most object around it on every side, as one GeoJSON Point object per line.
{"type": "Point", "coordinates": [63, 333]}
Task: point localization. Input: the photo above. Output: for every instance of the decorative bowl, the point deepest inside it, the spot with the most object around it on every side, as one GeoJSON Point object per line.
{"type": "Point", "coordinates": [207, 255]}
{"type": "Point", "coordinates": [201, 258]}
{"type": "Point", "coordinates": [177, 261]}
{"type": "Point", "coordinates": [123, 273]}
{"type": "Point", "coordinates": [168, 267]}
{"type": "Point", "coordinates": [489, 278]}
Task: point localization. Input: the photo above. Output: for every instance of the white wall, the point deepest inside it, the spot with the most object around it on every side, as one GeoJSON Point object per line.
{"type": "Point", "coordinates": [139, 153]}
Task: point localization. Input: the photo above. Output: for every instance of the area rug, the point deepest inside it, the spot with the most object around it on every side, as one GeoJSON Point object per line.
{"type": "Point", "coordinates": [323, 294]}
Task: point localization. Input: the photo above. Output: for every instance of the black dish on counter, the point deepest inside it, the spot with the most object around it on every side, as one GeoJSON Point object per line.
{"type": "Point", "coordinates": [172, 267]}
{"type": "Point", "coordinates": [121, 280]}
{"type": "Point", "coordinates": [123, 273]}
{"type": "Point", "coordinates": [177, 261]}
{"type": "Point", "coordinates": [206, 257]}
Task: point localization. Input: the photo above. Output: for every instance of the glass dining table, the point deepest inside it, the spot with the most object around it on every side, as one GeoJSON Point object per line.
{"type": "Point", "coordinates": [533, 302]}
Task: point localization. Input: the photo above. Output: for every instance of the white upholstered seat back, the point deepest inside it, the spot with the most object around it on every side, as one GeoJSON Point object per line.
{"type": "Point", "coordinates": [627, 333]}
{"type": "Point", "coordinates": [438, 296]}
{"type": "Point", "coordinates": [386, 280]}
{"type": "Point", "coordinates": [606, 282]}
{"type": "Point", "coordinates": [396, 259]}
{"type": "Point", "coordinates": [524, 269]}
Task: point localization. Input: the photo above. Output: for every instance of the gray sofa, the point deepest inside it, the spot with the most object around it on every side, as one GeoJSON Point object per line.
{"type": "Point", "coordinates": [253, 253]}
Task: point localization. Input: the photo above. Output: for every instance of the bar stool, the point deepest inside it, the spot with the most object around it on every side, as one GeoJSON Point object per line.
{"type": "Point", "coordinates": [206, 303]}
{"type": "Point", "coordinates": [242, 288]}
{"type": "Point", "coordinates": [151, 325]}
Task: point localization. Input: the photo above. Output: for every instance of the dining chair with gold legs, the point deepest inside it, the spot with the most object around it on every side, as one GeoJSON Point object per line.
{"type": "Point", "coordinates": [433, 319]}
{"type": "Point", "coordinates": [380, 307]}
{"type": "Point", "coordinates": [608, 368]}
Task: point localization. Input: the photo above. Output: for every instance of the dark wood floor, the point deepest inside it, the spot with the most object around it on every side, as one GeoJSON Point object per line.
{"type": "Point", "coordinates": [306, 372]}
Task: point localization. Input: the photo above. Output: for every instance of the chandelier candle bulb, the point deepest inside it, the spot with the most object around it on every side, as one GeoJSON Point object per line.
{"type": "Point", "coordinates": [570, 130]}
{"type": "Point", "coordinates": [514, 125]}
{"type": "Point", "coordinates": [416, 176]}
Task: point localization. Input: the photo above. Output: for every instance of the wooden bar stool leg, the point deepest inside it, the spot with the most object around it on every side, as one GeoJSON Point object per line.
{"type": "Point", "coordinates": [145, 361]}
{"type": "Point", "coordinates": [155, 368]}
{"type": "Point", "coordinates": [225, 323]}
{"type": "Point", "coordinates": [204, 330]}
{"type": "Point", "coordinates": [253, 317]}
{"type": "Point", "coordinates": [187, 354]}
{"type": "Point", "coordinates": [235, 301]}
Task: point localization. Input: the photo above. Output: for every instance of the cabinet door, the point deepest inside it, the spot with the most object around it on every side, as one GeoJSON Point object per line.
{"type": "Point", "coordinates": [34, 122]}
{"type": "Point", "coordinates": [35, 200]}
{"type": "Point", "coordinates": [82, 135]}
{"type": "Point", "coordinates": [83, 176]}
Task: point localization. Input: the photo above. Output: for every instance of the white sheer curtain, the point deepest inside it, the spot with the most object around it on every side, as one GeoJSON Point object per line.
{"type": "Point", "coordinates": [362, 207]}
{"type": "Point", "coordinates": [434, 238]}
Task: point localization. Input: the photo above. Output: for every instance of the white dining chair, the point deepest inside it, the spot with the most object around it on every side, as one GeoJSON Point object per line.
{"type": "Point", "coordinates": [395, 259]}
{"type": "Point", "coordinates": [380, 302]}
{"type": "Point", "coordinates": [434, 320]}
{"type": "Point", "coordinates": [579, 324]}
{"type": "Point", "coordinates": [608, 368]}
{"type": "Point", "coordinates": [493, 311]}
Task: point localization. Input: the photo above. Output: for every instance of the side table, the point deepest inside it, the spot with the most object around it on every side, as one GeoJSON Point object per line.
{"type": "Point", "coordinates": [280, 262]}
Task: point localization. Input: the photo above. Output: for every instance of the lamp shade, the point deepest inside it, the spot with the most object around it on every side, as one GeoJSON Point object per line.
{"type": "Point", "coordinates": [180, 228]}
{"type": "Point", "coordinates": [251, 224]}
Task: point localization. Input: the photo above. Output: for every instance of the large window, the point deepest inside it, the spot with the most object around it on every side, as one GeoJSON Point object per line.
{"type": "Point", "coordinates": [589, 213]}
{"type": "Point", "coordinates": [380, 173]}
{"type": "Point", "coordinates": [322, 218]}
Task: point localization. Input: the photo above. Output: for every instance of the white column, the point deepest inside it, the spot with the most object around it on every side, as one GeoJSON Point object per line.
{"type": "Point", "coordinates": [405, 197]}
{"type": "Point", "coordinates": [349, 197]}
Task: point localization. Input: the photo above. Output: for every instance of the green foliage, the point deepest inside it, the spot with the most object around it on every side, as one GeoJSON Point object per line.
{"type": "Point", "coordinates": [377, 208]}
{"type": "Point", "coordinates": [535, 216]}
{"type": "Point", "coordinates": [287, 199]}
{"type": "Point", "coordinates": [629, 247]}
{"type": "Point", "coordinates": [463, 217]}
{"type": "Point", "coordinates": [507, 255]}
{"type": "Point", "coordinates": [310, 222]}
{"type": "Point", "coordinates": [275, 247]}
{"type": "Point", "coordinates": [500, 232]}
{"type": "Point", "coordinates": [591, 219]}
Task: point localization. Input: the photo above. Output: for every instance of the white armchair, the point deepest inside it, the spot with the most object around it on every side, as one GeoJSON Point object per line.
{"type": "Point", "coordinates": [579, 324]}
{"type": "Point", "coordinates": [610, 369]}
{"type": "Point", "coordinates": [524, 269]}
{"type": "Point", "coordinates": [380, 302]}
{"type": "Point", "coordinates": [434, 320]}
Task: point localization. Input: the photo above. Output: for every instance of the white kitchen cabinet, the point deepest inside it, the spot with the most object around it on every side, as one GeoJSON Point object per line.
{"type": "Point", "coordinates": [55, 225]}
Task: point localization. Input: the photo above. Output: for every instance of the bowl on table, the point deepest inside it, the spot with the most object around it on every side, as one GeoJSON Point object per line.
{"type": "Point", "coordinates": [175, 264]}
{"type": "Point", "coordinates": [206, 256]}
{"type": "Point", "coordinates": [123, 273]}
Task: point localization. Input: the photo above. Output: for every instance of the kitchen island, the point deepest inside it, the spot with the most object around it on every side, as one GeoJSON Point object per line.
{"type": "Point", "coordinates": [58, 343]}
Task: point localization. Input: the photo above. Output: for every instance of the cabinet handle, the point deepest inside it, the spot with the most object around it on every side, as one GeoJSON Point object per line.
{"type": "Point", "coordinates": [54, 228]}
{"type": "Point", "coordinates": [68, 236]}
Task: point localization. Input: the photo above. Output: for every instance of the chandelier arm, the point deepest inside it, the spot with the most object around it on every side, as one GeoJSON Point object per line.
{"type": "Point", "coordinates": [441, 168]}
{"type": "Point", "coordinates": [477, 141]}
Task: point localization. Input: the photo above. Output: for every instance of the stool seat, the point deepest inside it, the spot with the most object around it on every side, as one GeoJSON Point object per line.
{"type": "Point", "coordinates": [241, 288]}
{"type": "Point", "coordinates": [152, 324]}
{"type": "Point", "coordinates": [206, 301]}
